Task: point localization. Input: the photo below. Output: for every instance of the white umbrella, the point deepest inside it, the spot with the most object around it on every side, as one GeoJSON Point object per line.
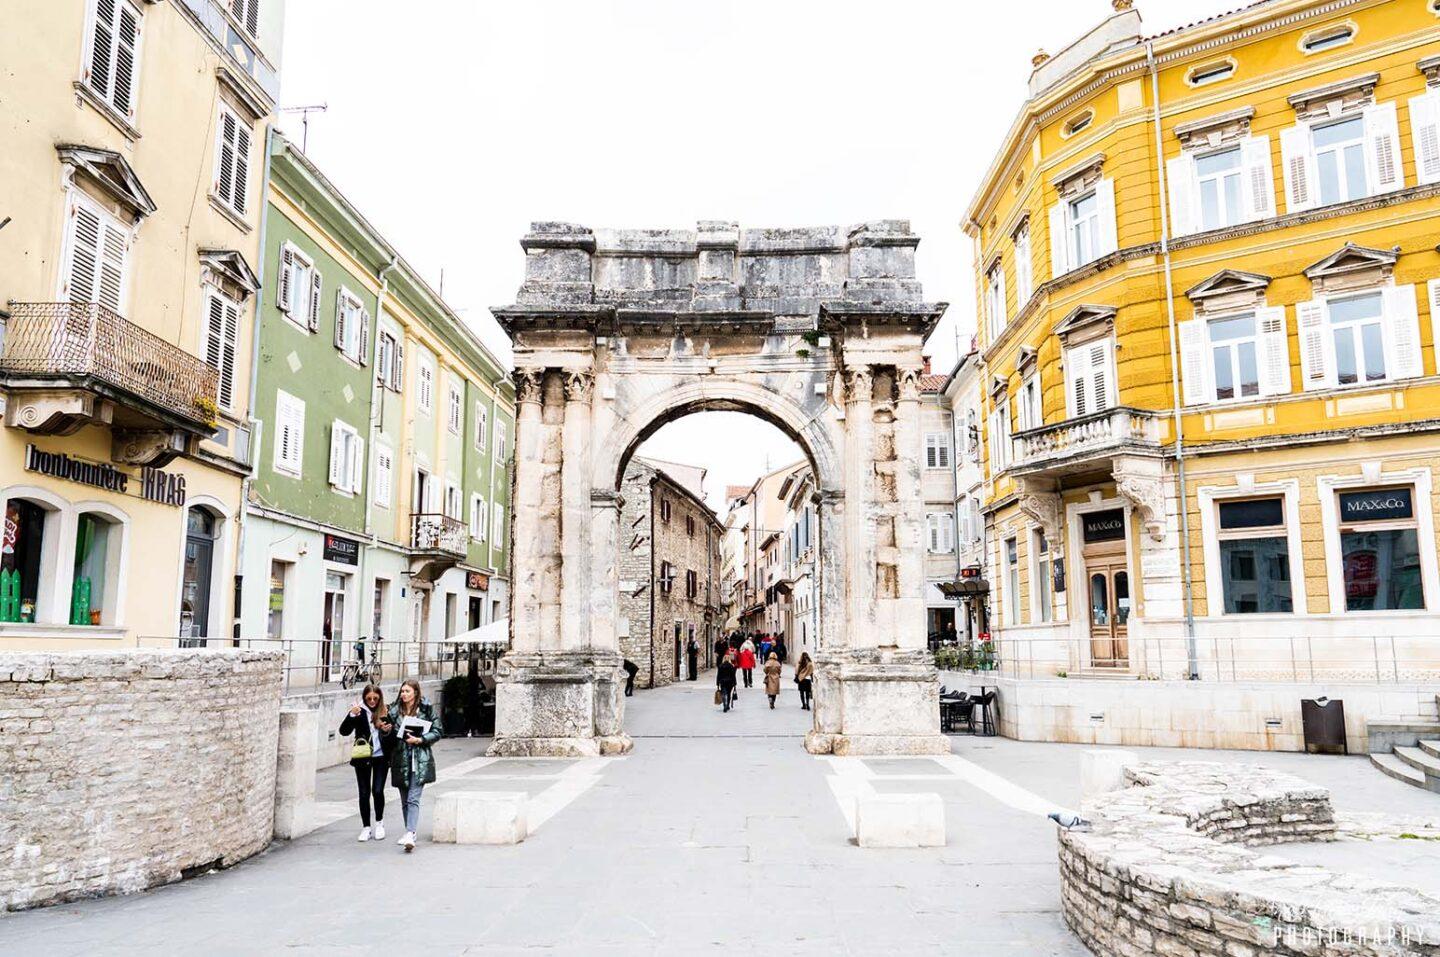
{"type": "Point", "coordinates": [495, 633]}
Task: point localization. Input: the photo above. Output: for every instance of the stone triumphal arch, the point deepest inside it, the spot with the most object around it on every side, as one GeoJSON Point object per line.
{"type": "Point", "coordinates": [818, 331]}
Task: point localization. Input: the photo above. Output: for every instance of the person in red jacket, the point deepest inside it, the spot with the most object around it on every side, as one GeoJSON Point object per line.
{"type": "Point", "coordinates": [747, 662]}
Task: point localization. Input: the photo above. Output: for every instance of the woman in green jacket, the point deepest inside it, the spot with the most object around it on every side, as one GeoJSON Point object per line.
{"type": "Point", "coordinates": [412, 766]}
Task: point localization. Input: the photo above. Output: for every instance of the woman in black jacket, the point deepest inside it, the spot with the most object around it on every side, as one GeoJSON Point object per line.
{"type": "Point", "coordinates": [725, 679]}
{"type": "Point", "coordinates": [369, 756]}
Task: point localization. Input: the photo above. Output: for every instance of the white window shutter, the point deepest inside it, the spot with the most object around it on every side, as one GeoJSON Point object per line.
{"type": "Point", "coordinates": [1274, 349]}
{"type": "Point", "coordinates": [215, 337]}
{"type": "Point", "coordinates": [1194, 363]}
{"type": "Point", "coordinates": [114, 244]}
{"type": "Point", "coordinates": [357, 463]}
{"type": "Point", "coordinates": [101, 68]}
{"type": "Point", "coordinates": [241, 197]}
{"type": "Point", "coordinates": [1078, 366]}
{"type": "Point", "coordinates": [313, 318]}
{"type": "Point", "coordinates": [398, 378]}
{"type": "Point", "coordinates": [1059, 244]}
{"type": "Point", "coordinates": [282, 289]}
{"type": "Point", "coordinates": [1297, 158]}
{"type": "Point", "coordinates": [1425, 131]}
{"type": "Point", "coordinates": [1382, 148]}
{"type": "Point", "coordinates": [1102, 388]}
{"type": "Point", "coordinates": [364, 337]}
{"type": "Point", "coordinates": [1004, 304]}
{"type": "Point", "coordinates": [84, 265]}
{"type": "Point", "coordinates": [1105, 202]}
{"type": "Point", "coordinates": [1402, 333]}
{"type": "Point", "coordinates": [127, 42]}
{"type": "Point", "coordinates": [1258, 188]}
{"type": "Point", "coordinates": [1433, 290]}
{"type": "Point", "coordinates": [225, 158]}
{"type": "Point", "coordinates": [340, 319]}
{"type": "Point", "coordinates": [1317, 364]}
{"type": "Point", "coordinates": [1180, 178]}
{"type": "Point", "coordinates": [337, 454]}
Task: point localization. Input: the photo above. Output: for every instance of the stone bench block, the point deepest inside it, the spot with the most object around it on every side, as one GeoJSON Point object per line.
{"type": "Point", "coordinates": [1103, 771]}
{"type": "Point", "coordinates": [480, 817]}
{"type": "Point", "coordinates": [900, 820]}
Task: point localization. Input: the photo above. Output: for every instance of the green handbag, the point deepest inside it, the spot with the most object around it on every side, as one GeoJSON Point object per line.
{"type": "Point", "coordinates": [360, 751]}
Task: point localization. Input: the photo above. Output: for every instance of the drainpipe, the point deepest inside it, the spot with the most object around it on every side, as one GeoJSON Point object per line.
{"type": "Point", "coordinates": [376, 395]}
{"type": "Point", "coordinates": [1180, 487]}
{"type": "Point", "coordinates": [245, 482]}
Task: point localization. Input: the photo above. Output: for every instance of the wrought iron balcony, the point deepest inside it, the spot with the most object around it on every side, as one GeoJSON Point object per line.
{"type": "Point", "coordinates": [140, 380]}
{"type": "Point", "coordinates": [434, 532]}
{"type": "Point", "coordinates": [1078, 443]}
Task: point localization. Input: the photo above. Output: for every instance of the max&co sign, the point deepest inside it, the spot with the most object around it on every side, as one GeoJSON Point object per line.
{"type": "Point", "coordinates": [153, 485]}
{"type": "Point", "coordinates": [1106, 526]}
{"type": "Point", "coordinates": [1376, 506]}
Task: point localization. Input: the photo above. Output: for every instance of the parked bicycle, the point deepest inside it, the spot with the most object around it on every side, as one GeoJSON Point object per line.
{"type": "Point", "coordinates": [359, 669]}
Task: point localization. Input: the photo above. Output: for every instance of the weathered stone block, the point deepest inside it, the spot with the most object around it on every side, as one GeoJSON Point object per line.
{"type": "Point", "coordinates": [480, 817]}
{"type": "Point", "coordinates": [900, 820]}
{"type": "Point", "coordinates": [1102, 771]}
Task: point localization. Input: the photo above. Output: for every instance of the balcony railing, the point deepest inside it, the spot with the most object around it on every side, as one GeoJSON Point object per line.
{"type": "Point", "coordinates": [434, 532]}
{"type": "Point", "coordinates": [75, 341]}
{"type": "Point", "coordinates": [1087, 437]}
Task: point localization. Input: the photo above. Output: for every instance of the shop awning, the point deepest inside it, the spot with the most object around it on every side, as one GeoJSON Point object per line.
{"type": "Point", "coordinates": [964, 588]}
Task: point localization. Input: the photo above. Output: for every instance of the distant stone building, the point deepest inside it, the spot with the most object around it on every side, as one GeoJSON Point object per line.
{"type": "Point", "coordinates": [669, 568]}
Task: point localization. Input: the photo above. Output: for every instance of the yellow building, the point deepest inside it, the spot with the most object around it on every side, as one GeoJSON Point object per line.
{"type": "Point", "coordinates": [132, 169]}
{"type": "Point", "coordinates": [1207, 262]}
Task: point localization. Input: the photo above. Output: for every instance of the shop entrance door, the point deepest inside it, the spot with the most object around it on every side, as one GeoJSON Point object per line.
{"type": "Point", "coordinates": [333, 625]}
{"type": "Point", "coordinates": [195, 590]}
{"type": "Point", "coordinates": [1109, 593]}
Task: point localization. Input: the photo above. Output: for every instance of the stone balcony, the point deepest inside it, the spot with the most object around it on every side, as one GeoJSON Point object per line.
{"type": "Point", "coordinates": [437, 543]}
{"type": "Point", "coordinates": [1086, 443]}
{"type": "Point", "coordinates": [68, 365]}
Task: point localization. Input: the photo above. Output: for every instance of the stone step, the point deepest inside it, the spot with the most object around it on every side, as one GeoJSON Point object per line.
{"type": "Point", "coordinates": [1422, 762]}
{"type": "Point", "coordinates": [1431, 748]}
{"type": "Point", "coordinates": [1109, 674]}
{"type": "Point", "coordinates": [1397, 769]}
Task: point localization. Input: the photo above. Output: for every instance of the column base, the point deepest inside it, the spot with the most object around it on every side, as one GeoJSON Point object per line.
{"type": "Point", "coordinates": [559, 704]}
{"type": "Point", "coordinates": [876, 701]}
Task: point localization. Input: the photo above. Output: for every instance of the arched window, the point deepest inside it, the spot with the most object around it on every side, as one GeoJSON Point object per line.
{"type": "Point", "coordinates": [27, 559]}
{"type": "Point", "coordinates": [94, 588]}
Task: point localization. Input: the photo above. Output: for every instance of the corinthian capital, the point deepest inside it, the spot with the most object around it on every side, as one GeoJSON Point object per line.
{"type": "Point", "coordinates": [527, 383]}
{"type": "Point", "coordinates": [578, 385]}
{"type": "Point", "coordinates": [859, 384]}
{"type": "Point", "coordinates": [907, 379]}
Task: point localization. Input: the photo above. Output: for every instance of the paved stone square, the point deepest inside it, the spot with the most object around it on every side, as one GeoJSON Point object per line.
{"type": "Point", "coordinates": [719, 831]}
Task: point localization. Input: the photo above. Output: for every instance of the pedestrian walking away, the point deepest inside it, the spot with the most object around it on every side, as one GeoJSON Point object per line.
{"type": "Point", "coordinates": [692, 655]}
{"type": "Point", "coordinates": [767, 644]}
{"type": "Point", "coordinates": [772, 678]}
{"type": "Point", "coordinates": [725, 680]}
{"type": "Point", "coordinates": [747, 662]}
{"type": "Point", "coordinates": [412, 766]}
{"type": "Point", "coordinates": [369, 722]}
{"type": "Point", "coordinates": [631, 670]}
{"type": "Point", "coordinates": [780, 651]}
{"type": "Point", "coordinates": [804, 678]}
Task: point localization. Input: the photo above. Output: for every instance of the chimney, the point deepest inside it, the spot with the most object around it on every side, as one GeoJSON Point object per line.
{"type": "Point", "coordinates": [926, 368]}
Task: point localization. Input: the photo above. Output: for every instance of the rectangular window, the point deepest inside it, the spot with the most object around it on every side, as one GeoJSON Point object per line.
{"type": "Point", "coordinates": [1024, 268]}
{"type": "Point", "coordinates": [352, 326]}
{"type": "Point", "coordinates": [384, 475]}
{"type": "Point", "coordinates": [222, 330]}
{"type": "Point", "coordinates": [232, 161]}
{"type": "Point", "coordinates": [454, 504]}
{"type": "Point", "coordinates": [941, 533]}
{"type": "Point", "coordinates": [387, 361]}
{"type": "Point", "coordinates": [1218, 177]}
{"type": "Point", "coordinates": [96, 248]}
{"type": "Point", "coordinates": [500, 446]}
{"type": "Point", "coordinates": [1031, 416]}
{"type": "Point", "coordinates": [497, 526]}
{"type": "Point", "coordinates": [346, 458]}
{"type": "Point", "coordinates": [275, 620]}
{"type": "Point", "coordinates": [1084, 217]}
{"type": "Point", "coordinates": [247, 14]}
{"type": "Point", "coordinates": [1090, 378]}
{"type": "Point", "coordinates": [1254, 551]}
{"type": "Point", "coordinates": [1380, 550]}
{"type": "Point", "coordinates": [113, 61]}
{"type": "Point", "coordinates": [289, 433]}
{"type": "Point", "coordinates": [381, 610]}
{"type": "Point", "coordinates": [1340, 160]}
{"type": "Point", "coordinates": [667, 576]}
{"type": "Point", "coordinates": [1357, 328]}
{"type": "Point", "coordinates": [995, 300]}
{"type": "Point", "coordinates": [456, 411]}
{"type": "Point", "coordinates": [1001, 441]}
{"type": "Point", "coordinates": [1042, 584]}
{"type": "Point", "coordinates": [482, 425]}
{"type": "Point", "coordinates": [937, 450]}
{"type": "Point", "coordinates": [299, 294]}
{"type": "Point", "coordinates": [1233, 351]}
{"type": "Point", "coordinates": [1012, 582]}
{"type": "Point", "coordinates": [478, 516]}
{"type": "Point", "coordinates": [664, 510]}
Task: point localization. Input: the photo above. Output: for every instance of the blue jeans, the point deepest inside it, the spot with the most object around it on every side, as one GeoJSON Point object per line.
{"type": "Point", "coordinates": [411, 799]}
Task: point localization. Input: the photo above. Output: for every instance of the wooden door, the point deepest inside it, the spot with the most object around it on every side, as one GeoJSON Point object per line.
{"type": "Point", "coordinates": [1109, 602]}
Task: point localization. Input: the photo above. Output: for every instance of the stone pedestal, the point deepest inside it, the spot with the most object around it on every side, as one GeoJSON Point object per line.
{"type": "Point", "coordinates": [876, 701]}
{"type": "Point", "coordinates": [480, 817]}
{"type": "Point", "coordinates": [900, 820]}
{"type": "Point", "coordinates": [560, 704]}
{"type": "Point", "coordinates": [295, 773]}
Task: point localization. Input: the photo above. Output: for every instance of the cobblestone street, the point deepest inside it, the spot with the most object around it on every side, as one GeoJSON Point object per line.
{"type": "Point", "coordinates": [718, 831]}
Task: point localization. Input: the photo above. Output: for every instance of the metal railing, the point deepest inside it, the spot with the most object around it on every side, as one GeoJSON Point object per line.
{"type": "Point", "coordinates": [62, 339]}
{"type": "Point", "coordinates": [318, 664]}
{"type": "Point", "coordinates": [1086, 434]}
{"type": "Point", "coordinates": [1290, 658]}
{"type": "Point", "coordinates": [436, 532]}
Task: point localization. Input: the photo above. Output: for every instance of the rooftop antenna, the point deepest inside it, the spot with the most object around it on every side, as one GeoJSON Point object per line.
{"type": "Point", "coordinates": [305, 112]}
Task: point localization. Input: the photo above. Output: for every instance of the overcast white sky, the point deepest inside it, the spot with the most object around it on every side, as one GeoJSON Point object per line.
{"type": "Point", "coordinates": [454, 123]}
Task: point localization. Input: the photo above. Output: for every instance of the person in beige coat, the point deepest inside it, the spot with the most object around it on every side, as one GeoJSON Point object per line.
{"type": "Point", "coordinates": [772, 678]}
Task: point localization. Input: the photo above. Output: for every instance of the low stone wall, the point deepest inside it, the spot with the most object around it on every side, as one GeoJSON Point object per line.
{"type": "Point", "coordinates": [1165, 869]}
{"type": "Point", "coordinates": [121, 770]}
{"type": "Point", "coordinates": [1248, 716]}
{"type": "Point", "coordinates": [330, 706]}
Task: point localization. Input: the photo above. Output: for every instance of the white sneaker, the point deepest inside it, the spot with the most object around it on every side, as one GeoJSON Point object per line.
{"type": "Point", "coordinates": [401, 841]}
{"type": "Point", "coordinates": [364, 835]}
{"type": "Point", "coordinates": [408, 841]}
{"type": "Point", "coordinates": [379, 830]}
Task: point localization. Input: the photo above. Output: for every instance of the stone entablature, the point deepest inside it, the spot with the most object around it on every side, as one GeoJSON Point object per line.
{"type": "Point", "coordinates": [125, 770]}
{"type": "Point", "coordinates": [1165, 869]}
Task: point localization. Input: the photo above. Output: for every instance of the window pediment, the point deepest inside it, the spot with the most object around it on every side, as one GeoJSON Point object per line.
{"type": "Point", "coordinates": [1333, 99]}
{"type": "Point", "coordinates": [1086, 322]}
{"type": "Point", "coordinates": [999, 385]}
{"type": "Point", "coordinates": [1080, 177]}
{"type": "Point", "coordinates": [1430, 66]}
{"type": "Point", "coordinates": [1227, 290]}
{"type": "Point", "coordinates": [1351, 267]}
{"type": "Point", "coordinates": [1213, 131]}
{"type": "Point", "coordinates": [228, 269]}
{"type": "Point", "coordinates": [110, 172]}
{"type": "Point", "coordinates": [1026, 360]}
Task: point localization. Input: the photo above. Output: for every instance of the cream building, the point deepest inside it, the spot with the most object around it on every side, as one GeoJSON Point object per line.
{"type": "Point", "coordinates": [129, 263]}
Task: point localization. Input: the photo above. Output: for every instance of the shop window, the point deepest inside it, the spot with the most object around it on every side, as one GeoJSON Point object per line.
{"type": "Point", "coordinates": [382, 608]}
{"type": "Point", "coordinates": [1380, 550]}
{"type": "Point", "coordinates": [29, 532]}
{"type": "Point", "coordinates": [1254, 552]}
{"type": "Point", "coordinates": [1042, 583]}
{"type": "Point", "coordinates": [97, 562]}
{"type": "Point", "coordinates": [275, 622]}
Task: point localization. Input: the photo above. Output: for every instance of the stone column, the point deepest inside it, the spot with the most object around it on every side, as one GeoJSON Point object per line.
{"type": "Point", "coordinates": [909, 512]}
{"type": "Point", "coordinates": [524, 530]}
{"type": "Point", "coordinates": [859, 519]}
{"type": "Point", "coordinates": [575, 512]}
{"type": "Point", "coordinates": [605, 506]}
